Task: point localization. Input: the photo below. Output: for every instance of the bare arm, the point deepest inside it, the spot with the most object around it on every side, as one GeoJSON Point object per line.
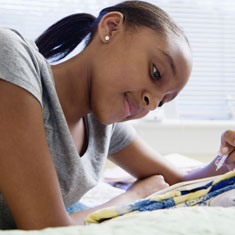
{"type": "Point", "coordinates": [227, 147]}
{"type": "Point", "coordinates": [139, 190]}
{"type": "Point", "coordinates": [28, 179]}
{"type": "Point", "coordinates": [141, 161]}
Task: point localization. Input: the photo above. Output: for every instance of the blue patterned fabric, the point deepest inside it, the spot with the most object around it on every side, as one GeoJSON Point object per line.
{"type": "Point", "coordinates": [77, 207]}
{"type": "Point", "coordinates": [199, 196]}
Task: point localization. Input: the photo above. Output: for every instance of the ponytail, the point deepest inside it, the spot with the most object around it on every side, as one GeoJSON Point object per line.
{"type": "Point", "coordinates": [63, 36]}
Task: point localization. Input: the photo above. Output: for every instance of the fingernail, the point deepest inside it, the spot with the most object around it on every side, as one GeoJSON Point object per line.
{"type": "Point", "coordinates": [224, 150]}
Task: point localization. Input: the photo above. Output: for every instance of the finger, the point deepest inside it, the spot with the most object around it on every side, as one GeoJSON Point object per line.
{"type": "Point", "coordinates": [231, 166]}
{"type": "Point", "coordinates": [227, 142]}
{"type": "Point", "coordinates": [231, 158]}
{"type": "Point", "coordinates": [230, 161]}
{"type": "Point", "coordinates": [226, 149]}
{"type": "Point", "coordinates": [228, 137]}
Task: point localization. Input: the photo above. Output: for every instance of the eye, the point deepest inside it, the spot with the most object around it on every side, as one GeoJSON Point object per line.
{"type": "Point", "coordinates": [156, 73]}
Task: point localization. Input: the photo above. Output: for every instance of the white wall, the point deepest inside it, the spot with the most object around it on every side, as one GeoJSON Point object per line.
{"type": "Point", "coordinates": [185, 137]}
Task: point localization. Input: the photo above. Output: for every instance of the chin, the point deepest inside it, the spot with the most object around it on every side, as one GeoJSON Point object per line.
{"type": "Point", "coordinates": [104, 119]}
{"type": "Point", "coordinates": [105, 122]}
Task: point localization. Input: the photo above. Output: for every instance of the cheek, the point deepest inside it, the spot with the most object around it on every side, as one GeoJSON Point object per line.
{"type": "Point", "coordinates": [107, 107]}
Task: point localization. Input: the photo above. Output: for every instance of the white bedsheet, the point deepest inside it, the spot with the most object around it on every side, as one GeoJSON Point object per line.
{"type": "Point", "coordinates": [179, 221]}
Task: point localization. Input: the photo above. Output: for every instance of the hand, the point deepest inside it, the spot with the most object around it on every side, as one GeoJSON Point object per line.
{"type": "Point", "coordinates": [228, 147]}
{"type": "Point", "coordinates": [145, 187]}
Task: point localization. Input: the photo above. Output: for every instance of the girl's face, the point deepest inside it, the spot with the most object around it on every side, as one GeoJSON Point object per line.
{"type": "Point", "coordinates": [135, 72]}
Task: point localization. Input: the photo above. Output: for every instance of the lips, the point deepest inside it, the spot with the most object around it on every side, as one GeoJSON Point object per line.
{"type": "Point", "coordinates": [129, 106]}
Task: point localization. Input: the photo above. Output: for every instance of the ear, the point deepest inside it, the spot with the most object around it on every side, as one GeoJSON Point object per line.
{"type": "Point", "coordinates": [109, 25]}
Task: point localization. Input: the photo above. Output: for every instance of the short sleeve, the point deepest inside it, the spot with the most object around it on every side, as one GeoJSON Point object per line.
{"type": "Point", "coordinates": [123, 134]}
{"type": "Point", "coordinates": [18, 62]}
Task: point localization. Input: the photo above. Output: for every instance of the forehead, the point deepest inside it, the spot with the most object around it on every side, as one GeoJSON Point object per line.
{"type": "Point", "coordinates": [167, 45]}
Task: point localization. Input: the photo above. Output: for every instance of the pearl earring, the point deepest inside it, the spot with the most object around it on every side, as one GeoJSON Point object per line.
{"type": "Point", "coordinates": [107, 38]}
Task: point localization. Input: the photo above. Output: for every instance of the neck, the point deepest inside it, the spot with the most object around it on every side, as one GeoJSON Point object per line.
{"type": "Point", "coordinates": [72, 82]}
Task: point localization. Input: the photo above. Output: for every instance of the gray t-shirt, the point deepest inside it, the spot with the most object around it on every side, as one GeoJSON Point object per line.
{"type": "Point", "coordinates": [22, 65]}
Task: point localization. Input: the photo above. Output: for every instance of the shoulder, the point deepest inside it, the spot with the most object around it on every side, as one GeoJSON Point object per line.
{"type": "Point", "coordinates": [123, 128]}
{"type": "Point", "coordinates": [10, 39]}
{"type": "Point", "coordinates": [20, 62]}
{"type": "Point", "coordinates": [123, 134]}
{"type": "Point", "coordinates": [7, 33]}
{"type": "Point", "coordinates": [12, 42]}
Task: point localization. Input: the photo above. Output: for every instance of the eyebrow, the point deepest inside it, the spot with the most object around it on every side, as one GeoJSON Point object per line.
{"type": "Point", "coordinates": [170, 60]}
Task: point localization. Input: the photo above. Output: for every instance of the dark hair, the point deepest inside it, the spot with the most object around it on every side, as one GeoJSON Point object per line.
{"type": "Point", "coordinates": [63, 36]}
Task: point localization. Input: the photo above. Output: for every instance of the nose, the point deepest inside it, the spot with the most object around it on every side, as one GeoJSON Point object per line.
{"type": "Point", "coordinates": [149, 101]}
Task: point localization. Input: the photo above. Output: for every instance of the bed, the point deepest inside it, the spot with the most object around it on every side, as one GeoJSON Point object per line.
{"type": "Point", "coordinates": [182, 220]}
{"type": "Point", "coordinates": [193, 221]}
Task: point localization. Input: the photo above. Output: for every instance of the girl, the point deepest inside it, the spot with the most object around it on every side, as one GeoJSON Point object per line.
{"type": "Point", "coordinates": [59, 123]}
